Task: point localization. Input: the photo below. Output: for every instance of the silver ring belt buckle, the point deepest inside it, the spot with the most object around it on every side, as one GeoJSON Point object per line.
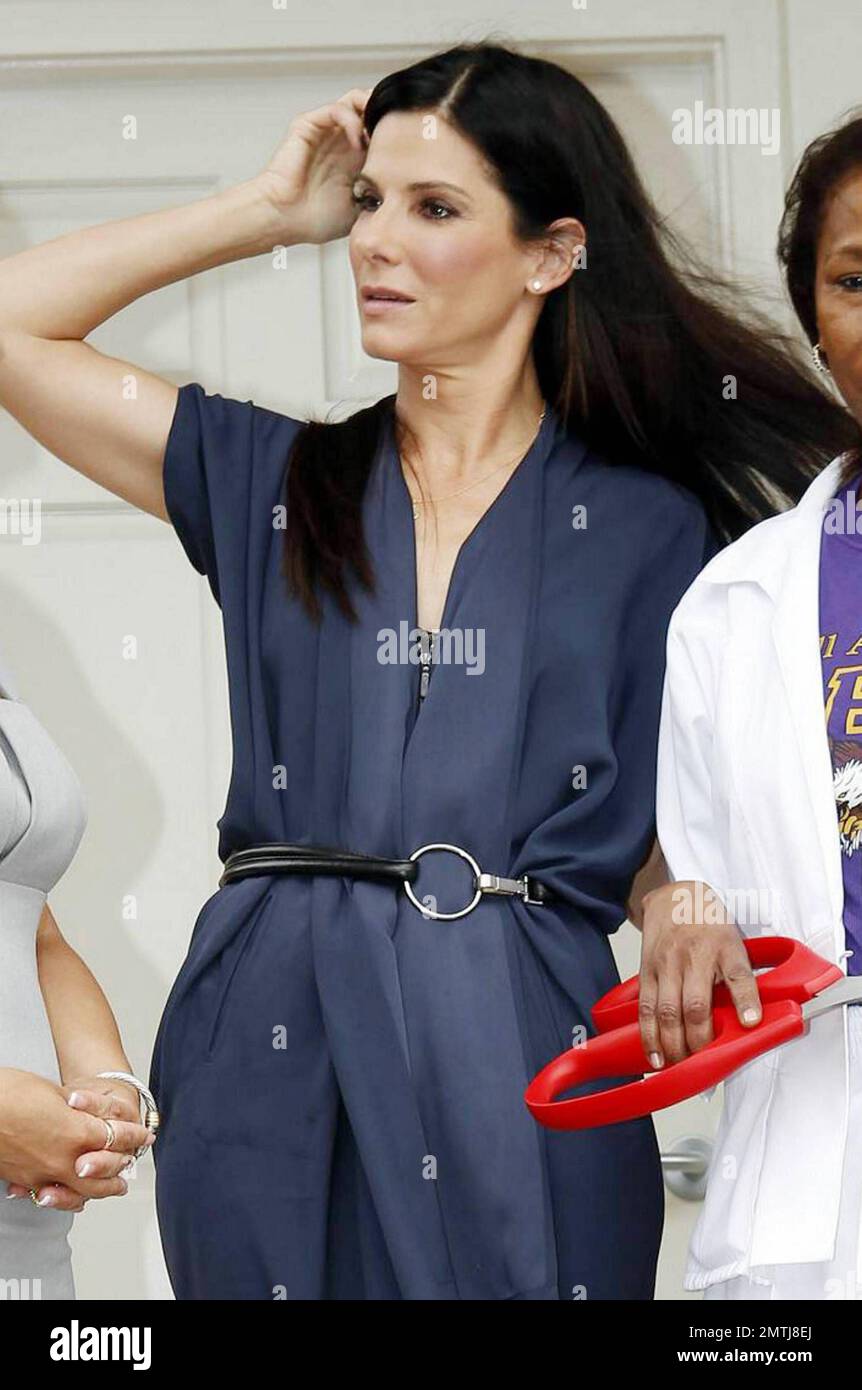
{"type": "Point", "coordinates": [483, 883]}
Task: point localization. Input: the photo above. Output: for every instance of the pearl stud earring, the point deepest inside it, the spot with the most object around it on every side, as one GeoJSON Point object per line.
{"type": "Point", "coordinates": [537, 284]}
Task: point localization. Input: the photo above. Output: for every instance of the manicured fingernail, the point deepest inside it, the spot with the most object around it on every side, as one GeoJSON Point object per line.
{"type": "Point", "coordinates": [125, 1185]}
{"type": "Point", "coordinates": [751, 1015]}
{"type": "Point", "coordinates": [76, 1099]}
{"type": "Point", "coordinates": [10, 1196]}
{"type": "Point", "coordinates": [150, 1139]}
{"type": "Point", "coordinates": [82, 1172]}
{"type": "Point", "coordinates": [656, 1060]}
{"type": "Point", "coordinates": [46, 1201]}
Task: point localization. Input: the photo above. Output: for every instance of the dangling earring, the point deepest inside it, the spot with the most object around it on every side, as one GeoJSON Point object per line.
{"type": "Point", "coordinates": [819, 360]}
{"type": "Point", "coordinates": [536, 284]}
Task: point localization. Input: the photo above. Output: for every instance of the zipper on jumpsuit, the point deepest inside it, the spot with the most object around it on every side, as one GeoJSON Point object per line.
{"type": "Point", "coordinates": [425, 660]}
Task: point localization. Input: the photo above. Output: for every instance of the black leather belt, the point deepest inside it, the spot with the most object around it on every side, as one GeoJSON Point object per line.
{"type": "Point", "coordinates": [319, 859]}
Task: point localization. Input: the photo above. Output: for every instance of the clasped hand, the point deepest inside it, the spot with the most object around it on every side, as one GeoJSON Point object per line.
{"type": "Point", "coordinates": [57, 1148]}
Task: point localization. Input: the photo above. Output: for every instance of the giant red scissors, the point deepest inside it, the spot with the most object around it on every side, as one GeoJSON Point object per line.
{"type": "Point", "coordinates": [798, 986]}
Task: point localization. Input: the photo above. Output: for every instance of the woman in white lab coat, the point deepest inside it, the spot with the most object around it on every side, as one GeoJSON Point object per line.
{"type": "Point", "coordinates": [759, 797]}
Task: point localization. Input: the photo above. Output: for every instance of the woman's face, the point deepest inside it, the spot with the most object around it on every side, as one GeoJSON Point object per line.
{"type": "Point", "coordinates": [838, 288]}
{"type": "Point", "coordinates": [432, 225]}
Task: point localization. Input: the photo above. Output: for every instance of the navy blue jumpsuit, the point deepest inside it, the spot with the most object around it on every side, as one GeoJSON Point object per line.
{"type": "Point", "coordinates": [340, 1077]}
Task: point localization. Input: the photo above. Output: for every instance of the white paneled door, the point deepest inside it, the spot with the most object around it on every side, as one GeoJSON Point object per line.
{"type": "Point", "coordinates": [110, 109]}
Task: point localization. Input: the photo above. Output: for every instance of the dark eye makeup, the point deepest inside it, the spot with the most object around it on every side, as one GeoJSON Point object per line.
{"type": "Point", "coordinates": [361, 196]}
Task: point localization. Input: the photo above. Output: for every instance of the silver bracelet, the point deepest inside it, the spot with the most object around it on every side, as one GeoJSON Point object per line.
{"type": "Point", "coordinates": [151, 1115]}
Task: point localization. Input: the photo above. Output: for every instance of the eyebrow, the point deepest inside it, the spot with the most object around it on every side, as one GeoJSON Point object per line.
{"type": "Point", "coordinates": [847, 248]}
{"type": "Point", "coordinates": [417, 187]}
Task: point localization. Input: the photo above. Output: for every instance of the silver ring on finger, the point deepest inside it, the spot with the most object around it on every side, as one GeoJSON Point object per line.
{"type": "Point", "coordinates": [110, 1137]}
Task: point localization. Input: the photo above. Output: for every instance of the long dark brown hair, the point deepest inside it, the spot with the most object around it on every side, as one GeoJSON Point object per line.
{"type": "Point", "coordinates": [633, 352]}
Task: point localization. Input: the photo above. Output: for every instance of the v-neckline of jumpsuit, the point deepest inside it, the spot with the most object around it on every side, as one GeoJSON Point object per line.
{"type": "Point", "coordinates": [391, 454]}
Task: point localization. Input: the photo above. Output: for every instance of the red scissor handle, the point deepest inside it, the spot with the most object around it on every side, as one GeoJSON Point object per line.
{"type": "Point", "coordinates": [797, 973]}
{"type": "Point", "coordinates": [617, 1050]}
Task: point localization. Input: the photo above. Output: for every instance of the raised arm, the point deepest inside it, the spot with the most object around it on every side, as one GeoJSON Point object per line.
{"type": "Point", "coordinates": [106, 417]}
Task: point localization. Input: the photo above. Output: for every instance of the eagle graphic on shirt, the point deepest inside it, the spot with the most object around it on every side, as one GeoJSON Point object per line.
{"type": "Point", "coordinates": [847, 785]}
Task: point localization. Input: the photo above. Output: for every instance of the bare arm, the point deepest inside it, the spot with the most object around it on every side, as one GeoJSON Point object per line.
{"type": "Point", "coordinates": [84, 1029]}
{"type": "Point", "coordinates": [105, 417]}
{"type": "Point", "coordinates": [652, 874]}
{"type": "Point", "coordinates": [108, 418]}
{"type": "Point", "coordinates": [44, 1141]}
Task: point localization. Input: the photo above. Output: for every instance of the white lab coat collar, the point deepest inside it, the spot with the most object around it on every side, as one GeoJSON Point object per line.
{"type": "Point", "coordinates": [763, 552]}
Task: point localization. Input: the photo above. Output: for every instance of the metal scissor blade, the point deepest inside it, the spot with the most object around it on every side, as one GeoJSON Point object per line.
{"type": "Point", "coordinates": [846, 991]}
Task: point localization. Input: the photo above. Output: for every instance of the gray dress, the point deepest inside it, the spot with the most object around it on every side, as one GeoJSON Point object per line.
{"type": "Point", "coordinates": [42, 818]}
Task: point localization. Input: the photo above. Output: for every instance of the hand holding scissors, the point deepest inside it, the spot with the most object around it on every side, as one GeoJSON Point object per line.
{"type": "Point", "coordinates": [796, 987]}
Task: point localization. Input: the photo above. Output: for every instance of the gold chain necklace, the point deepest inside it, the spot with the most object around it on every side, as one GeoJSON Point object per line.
{"type": "Point", "coordinates": [446, 495]}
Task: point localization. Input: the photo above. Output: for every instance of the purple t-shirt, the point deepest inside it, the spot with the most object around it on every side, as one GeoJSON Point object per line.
{"type": "Point", "coordinates": [841, 653]}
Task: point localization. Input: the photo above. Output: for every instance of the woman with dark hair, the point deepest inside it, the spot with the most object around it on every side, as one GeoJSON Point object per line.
{"type": "Point", "coordinates": [422, 868]}
{"type": "Point", "coordinates": [759, 794]}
